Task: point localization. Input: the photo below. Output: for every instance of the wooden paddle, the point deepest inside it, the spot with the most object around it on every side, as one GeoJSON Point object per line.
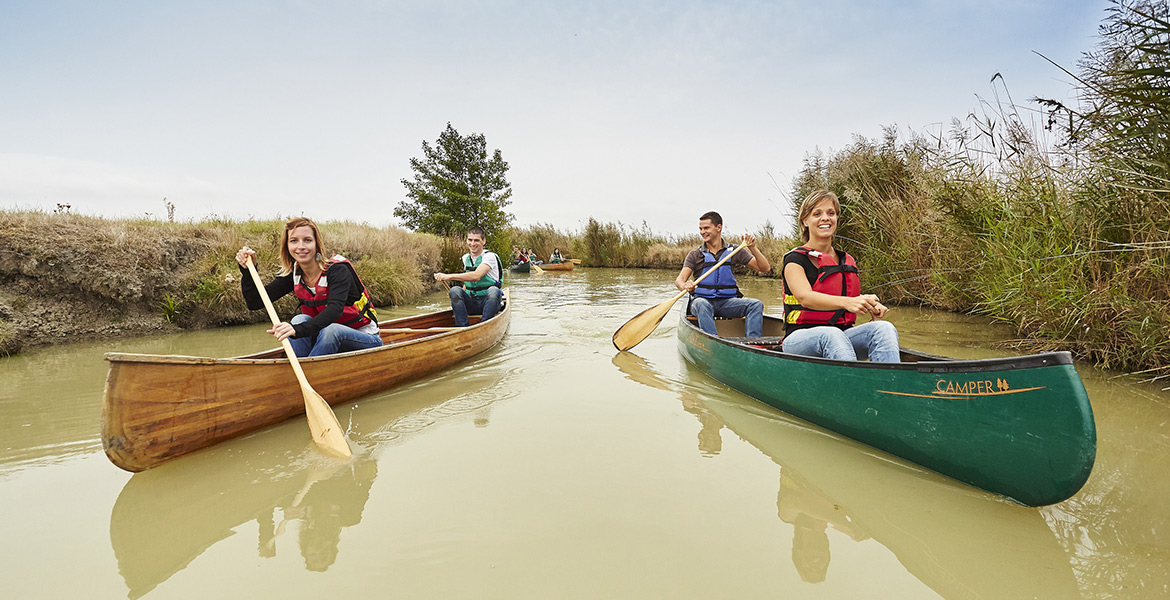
{"type": "Point", "coordinates": [323, 423]}
{"type": "Point", "coordinates": [536, 269]}
{"type": "Point", "coordinates": [635, 330]}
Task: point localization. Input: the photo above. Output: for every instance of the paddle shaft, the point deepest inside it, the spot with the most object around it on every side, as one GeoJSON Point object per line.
{"type": "Point", "coordinates": [288, 350]}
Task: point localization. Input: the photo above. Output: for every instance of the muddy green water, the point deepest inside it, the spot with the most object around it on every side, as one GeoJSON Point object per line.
{"type": "Point", "coordinates": [552, 467]}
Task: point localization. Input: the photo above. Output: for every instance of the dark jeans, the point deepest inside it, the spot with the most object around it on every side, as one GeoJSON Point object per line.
{"type": "Point", "coordinates": [463, 304]}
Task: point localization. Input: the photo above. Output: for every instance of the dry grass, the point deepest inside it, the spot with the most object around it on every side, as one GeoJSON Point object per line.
{"type": "Point", "coordinates": [183, 273]}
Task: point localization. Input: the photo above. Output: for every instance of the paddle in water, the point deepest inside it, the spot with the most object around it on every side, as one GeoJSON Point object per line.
{"type": "Point", "coordinates": [323, 423]}
{"type": "Point", "coordinates": [635, 330]}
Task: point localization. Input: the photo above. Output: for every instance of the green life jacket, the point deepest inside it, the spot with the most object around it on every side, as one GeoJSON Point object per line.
{"type": "Point", "coordinates": [480, 286]}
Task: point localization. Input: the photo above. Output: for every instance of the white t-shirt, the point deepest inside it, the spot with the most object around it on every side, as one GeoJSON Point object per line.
{"type": "Point", "coordinates": [490, 258]}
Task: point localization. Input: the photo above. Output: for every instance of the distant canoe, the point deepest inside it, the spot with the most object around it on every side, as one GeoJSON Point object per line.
{"type": "Point", "coordinates": [524, 267]}
{"type": "Point", "coordinates": [565, 266]}
{"type": "Point", "coordinates": [157, 408]}
{"type": "Point", "coordinates": [1021, 427]}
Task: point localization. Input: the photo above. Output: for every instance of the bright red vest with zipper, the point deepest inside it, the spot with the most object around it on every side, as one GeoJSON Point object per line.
{"type": "Point", "coordinates": [313, 300]}
{"type": "Point", "coordinates": [833, 279]}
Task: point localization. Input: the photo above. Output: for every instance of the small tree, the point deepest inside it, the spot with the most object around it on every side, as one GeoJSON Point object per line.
{"type": "Point", "coordinates": [457, 186]}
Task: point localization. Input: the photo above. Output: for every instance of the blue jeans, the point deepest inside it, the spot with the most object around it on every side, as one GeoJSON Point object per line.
{"type": "Point", "coordinates": [877, 339]}
{"type": "Point", "coordinates": [706, 309]}
{"type": "Point", "coordinates": [332, 339]}
{"type": "Point", "coordinates": [463, 304]}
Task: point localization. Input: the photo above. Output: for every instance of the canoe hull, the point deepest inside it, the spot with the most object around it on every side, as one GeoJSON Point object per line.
{"type": "Point", "coordinates": [1021, 427]}
{"type": "Point", "coordinates": [565, 266]}
{"type": "Point", "coordinates": [521, 268]}
{"type": "Point", "coordinates": [157, 408]}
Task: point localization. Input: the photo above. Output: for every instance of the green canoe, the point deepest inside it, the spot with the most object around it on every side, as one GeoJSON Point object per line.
{"type": "Point", "coordinates": [1021, 427]}
{"type": "Point", "coordinates": [523, 267]}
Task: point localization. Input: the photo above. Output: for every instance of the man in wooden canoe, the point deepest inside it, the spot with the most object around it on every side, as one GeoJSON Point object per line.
{"type": "Point", "coordinates": [481, 280]}
{"type": "Point", "coordinates": [718, 295]}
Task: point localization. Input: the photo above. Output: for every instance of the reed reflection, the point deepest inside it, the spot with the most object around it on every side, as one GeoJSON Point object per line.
{"type": "Point", "coordinates": [959, 541]}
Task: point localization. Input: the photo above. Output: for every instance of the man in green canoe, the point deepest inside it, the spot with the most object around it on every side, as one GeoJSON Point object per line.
{"type": "Point", "coordinates": [718, 295]}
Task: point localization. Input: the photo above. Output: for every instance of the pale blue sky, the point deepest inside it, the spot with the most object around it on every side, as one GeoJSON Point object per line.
{"type": "Point", "coordinates": [622, 110]}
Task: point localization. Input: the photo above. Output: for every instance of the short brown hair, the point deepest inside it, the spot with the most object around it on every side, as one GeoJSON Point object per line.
{"type": "Point", "coordinates": [713, 217]}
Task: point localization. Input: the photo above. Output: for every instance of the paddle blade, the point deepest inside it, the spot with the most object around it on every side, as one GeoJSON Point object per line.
{"type": "Point", "coordinates": [636, 329]}
{"type": "Point", "coordinates": [323, 425]}
{"type": "Point", "coordinates": [536, 269]}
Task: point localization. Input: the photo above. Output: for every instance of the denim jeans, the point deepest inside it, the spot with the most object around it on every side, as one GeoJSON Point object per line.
{"type": "Point", "coordinates": [706, 309]}
{"type": "Point", "coordinates": [463, 304]}
{"type": "Point", "coordinates": [877, 339]}
{"type": "Point", "coordinates": [332, 339]}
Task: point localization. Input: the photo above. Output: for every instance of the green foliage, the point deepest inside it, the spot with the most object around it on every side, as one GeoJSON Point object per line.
{"type": "Point", "coordinates": [390, 279]}
{"type": "Point", "coordinates": [170, 307]}
{"type": "Point", "coordinates": [457, 186]}
{"type": "Point", "coordinates": [601, 244]}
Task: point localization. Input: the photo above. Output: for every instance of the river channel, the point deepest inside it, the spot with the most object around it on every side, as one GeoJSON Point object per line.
{"type": "Point", "coordinates": [553, 467]}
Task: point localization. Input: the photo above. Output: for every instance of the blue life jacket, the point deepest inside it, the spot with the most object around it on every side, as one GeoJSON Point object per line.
{"type": "Point", "coordinates": [721, 283]}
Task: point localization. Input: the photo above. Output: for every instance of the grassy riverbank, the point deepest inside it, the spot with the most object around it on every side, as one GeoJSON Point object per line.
{"type": "Point", "coordinates": [75, 277]}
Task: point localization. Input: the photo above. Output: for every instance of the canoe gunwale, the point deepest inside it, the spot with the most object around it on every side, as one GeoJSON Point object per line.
{"type": "Point", "coordinates": [255, 357]}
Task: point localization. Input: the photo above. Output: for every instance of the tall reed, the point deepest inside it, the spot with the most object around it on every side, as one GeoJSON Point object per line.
{"type": "Point", "coordinates": [1057, 221]}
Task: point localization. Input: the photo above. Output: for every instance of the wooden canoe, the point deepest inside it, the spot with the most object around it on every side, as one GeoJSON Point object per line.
{"type": "Point", "coordinates": [1021, 427]}
{"type": "Point", "coordinates": [157, 408]}
{"type": "Point", "coordinates": [565, 266]}
{"type": "Point", "coordinates": [524, 267]}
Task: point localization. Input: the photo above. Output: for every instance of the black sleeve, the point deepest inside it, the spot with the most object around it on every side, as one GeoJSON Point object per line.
{"type": "Point", "coordinates": [810, 270]}
{"type": "Point", "coordinates": [341, 281]}
{"type": "Point", "coordinates": [277, 289]}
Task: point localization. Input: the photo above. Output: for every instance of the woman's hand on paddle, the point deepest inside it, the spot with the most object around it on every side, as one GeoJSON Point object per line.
{"type": "Point", "coordinates": [243, 254]}
{"type": "Point", "coordinates": [878, 311]}
{"type": "Point", "coordinates": [283, 331]}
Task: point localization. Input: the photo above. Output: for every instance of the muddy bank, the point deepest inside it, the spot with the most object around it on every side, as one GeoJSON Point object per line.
{"type": "Point", "coordinates": [72, 278]}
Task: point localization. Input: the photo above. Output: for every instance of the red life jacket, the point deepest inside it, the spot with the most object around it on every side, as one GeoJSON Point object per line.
{"type": "Point", "coordinates": [833, 279]}
{"type": "Point", "coordinates": [313, 300]}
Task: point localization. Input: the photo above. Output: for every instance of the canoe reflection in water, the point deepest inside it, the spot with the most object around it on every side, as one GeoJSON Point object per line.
{"type": "Point", "coordinates": [168, 516]}
{"type": "Point", "coordinates": [958, 540]}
